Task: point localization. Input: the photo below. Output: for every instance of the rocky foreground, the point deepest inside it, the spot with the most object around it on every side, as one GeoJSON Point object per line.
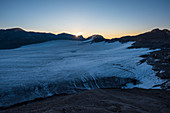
{"type": "Point", "coordinates": [100, 101]}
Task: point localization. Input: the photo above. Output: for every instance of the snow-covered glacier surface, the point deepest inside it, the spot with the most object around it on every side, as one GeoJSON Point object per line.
{"type": "Point", "coordinates": [58, 67]}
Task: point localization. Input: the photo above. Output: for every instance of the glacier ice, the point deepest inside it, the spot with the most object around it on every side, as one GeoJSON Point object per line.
{"type": "Point", "coordinates": [63, 66]}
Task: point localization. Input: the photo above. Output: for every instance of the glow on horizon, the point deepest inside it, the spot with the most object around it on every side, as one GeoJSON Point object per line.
{"type": "Point", "coordinates": [105, 35]}
{"type": "Point", "coordinates": [78, 34]}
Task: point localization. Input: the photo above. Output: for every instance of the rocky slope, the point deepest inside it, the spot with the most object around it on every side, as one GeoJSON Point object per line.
{"type": "Point", "coordinates": [99, 101]}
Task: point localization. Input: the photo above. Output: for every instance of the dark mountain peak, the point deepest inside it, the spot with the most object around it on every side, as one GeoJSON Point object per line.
{"type": "Point", "coordinates": [166, 31]}
{"type": "Point", "coordinates": [64, 34]}
{"type": "Point", "coordinates": [160, 31]}
{"type": "Point", "coordinates": [97, 38]}
{"type": "Point", "coordinates": [67, 36]}
{"type": "Point", "coordinates": [156, 30]}
{"type": "Point", "coordinates": [80, 37]}
{"type": "Point", "coordinates": [15, 29]}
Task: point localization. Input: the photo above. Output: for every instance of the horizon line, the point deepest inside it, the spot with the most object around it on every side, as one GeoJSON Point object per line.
{"type": "Point", "coordinates": [67, 32]}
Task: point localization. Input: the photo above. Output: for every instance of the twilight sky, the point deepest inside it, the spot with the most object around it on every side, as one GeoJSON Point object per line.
{"type": "Point", "coordinates": [110, 18]}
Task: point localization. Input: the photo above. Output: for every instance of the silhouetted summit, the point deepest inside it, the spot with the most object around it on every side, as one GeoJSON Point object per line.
{"type": "Point", "coordinates": [15, 29]}
{"type": "Point", "coordinates": [67, 36]}
{"type": "Point", "coordinates": [156, 30]}
{"type": "Point", "coordinates": [96, 38]}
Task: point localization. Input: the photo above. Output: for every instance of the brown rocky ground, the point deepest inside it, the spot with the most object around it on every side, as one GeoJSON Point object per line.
{"type": "Point", "coordinates": [100, 101]}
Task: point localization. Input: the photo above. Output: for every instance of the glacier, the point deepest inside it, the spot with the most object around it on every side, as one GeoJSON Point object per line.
{"type": "Point", "coordinates": [66, 67]}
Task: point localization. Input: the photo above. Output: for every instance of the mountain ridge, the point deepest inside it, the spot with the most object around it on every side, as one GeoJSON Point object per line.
{"type": "Point", "coordinates": [153, 39]}
{"type": "Point", "coordinates": [17, 37]}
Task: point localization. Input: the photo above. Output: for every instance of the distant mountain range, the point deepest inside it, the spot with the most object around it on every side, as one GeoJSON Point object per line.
{"type": "Point", "coordinates": [17, 37]}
